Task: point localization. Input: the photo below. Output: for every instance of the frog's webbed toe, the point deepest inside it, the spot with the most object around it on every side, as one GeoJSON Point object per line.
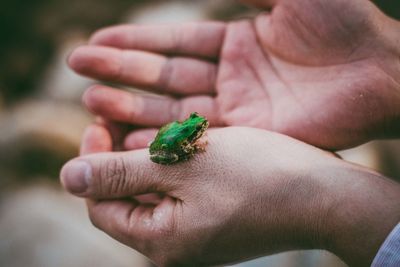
{"type": "Point", "coordinates": [201, 144]}
{"type": "Point", "coordinates": [188, 149]}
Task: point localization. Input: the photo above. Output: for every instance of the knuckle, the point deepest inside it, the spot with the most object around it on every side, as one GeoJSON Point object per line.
{"type": "Point", "coordinates": [166, 76]}
{"type": "Point", "coordinates": [175, 110]}
{"type": "Point", "coordinates": [117, 72]}
{"type": "Point", "coordinates": [177, 39]}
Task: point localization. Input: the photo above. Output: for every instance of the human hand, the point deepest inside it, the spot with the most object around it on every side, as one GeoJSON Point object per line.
{"type": "Point", "coordinates": [251, 193]}
{"type": "Point", "coordinates": [324, 72]}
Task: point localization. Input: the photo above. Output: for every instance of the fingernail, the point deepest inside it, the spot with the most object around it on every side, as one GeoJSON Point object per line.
{"type": "Point", "coordinates": [75, 176]}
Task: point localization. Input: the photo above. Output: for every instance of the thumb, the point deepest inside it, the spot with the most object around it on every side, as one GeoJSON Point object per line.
{"type": "Point", "coordinates": [115, 175]}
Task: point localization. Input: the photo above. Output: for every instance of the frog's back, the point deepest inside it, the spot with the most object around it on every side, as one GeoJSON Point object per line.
{"type": "Point", "coordinates": [167, 137]}
{"type": "Point", "coordinates": [172, 135]}
{"type": "Point", "coordinates": [176, 133]}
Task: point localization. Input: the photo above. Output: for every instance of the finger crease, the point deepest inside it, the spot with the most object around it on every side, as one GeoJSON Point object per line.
{"type": "Point", "coordinates": [211, 77]}
{"type": "Point", "coordinates": [175, 109]}
{"type": "Point", "coordinates": [164, 82]}
{"type": "Point", "coordinates": [119, 71]}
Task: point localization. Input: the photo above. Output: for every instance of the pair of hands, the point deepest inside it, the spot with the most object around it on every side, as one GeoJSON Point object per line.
{"type": "Point", "coordinates": [324, 72]}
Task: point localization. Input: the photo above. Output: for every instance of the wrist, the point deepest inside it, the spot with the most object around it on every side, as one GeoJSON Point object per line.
{"type": "Point", "coordinates": [362, 209]}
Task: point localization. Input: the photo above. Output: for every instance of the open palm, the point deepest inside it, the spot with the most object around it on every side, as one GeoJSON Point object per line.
{"type": "Point", "coordinates": [321, 71]}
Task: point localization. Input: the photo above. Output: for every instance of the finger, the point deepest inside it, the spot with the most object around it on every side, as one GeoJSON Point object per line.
{"type": "Point", "coordinates": [132, 223]}
{"type": "Point", "coordinates": [139, 139]}
{"type": "Point", "coordinates": [115, 175]}
{"type": "Point", "coordinates": [193, 39]}
{"type": "Point", "coordinates": [147, 110]}
{"type": "Point", "coordinates": [118, 132]}
{"type": "Point", "coordinates": [112, 216]}
{"type": "Point", "coordinates": [96, 138]}
{"type": "Point", "coordinates": [146, 70]}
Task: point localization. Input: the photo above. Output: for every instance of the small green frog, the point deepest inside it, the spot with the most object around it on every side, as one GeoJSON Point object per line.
{"type": "Point", "coordinates": [178, 141]}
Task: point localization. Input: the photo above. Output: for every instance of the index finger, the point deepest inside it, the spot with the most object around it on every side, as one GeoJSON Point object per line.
{"type": "Point", "coordinates": [199, 39]}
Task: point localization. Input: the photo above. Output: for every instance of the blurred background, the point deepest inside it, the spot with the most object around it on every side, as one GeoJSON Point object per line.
{"type": "Point", "coordinates": [41, 121]}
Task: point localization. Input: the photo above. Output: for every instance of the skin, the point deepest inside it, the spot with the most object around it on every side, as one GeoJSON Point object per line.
{"type": "Point", "coordinates": [324, 72]}
{"type": "Point", "coordinates": [330, 79]}
{"type": "Point", "coordinates": [212, 211]}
